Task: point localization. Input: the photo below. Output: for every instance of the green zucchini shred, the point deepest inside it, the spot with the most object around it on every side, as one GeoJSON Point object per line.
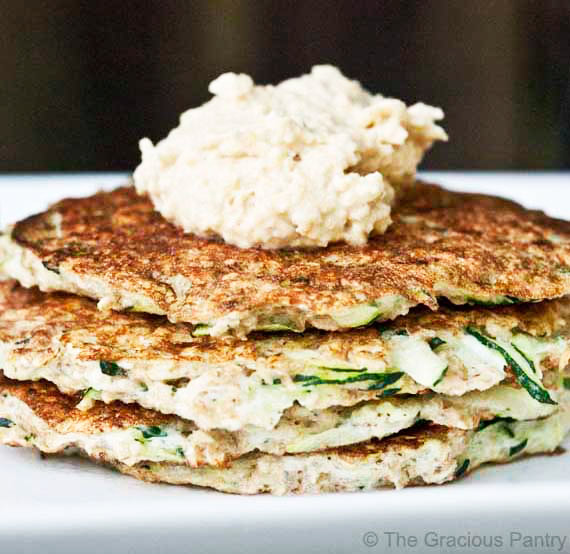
{"type": "Point", "coordinates": [386, 327]}
{"type": "Point", "coordinates": [518, 448]}
{"type": "Point", "coordinates": [435, 342]}
{"type": "Point", "coordinates": [344, 370]}
{"type": "Point", "coordinates": [507, 430]}
{"type": "Point", "coordinates": [566, 383]}
{"type": "Point", "coordinates": [274, 382]}
{"type": "Point", "coordinates": [91, 393]}
{"type": "Point", "coordinates": [201, 330]}
{"type": "Point", "coordinates": [280, 322]}
{"type": "Point", "coordinates": [390, 379]}
{"type": "Point", "coordinates": [462, 468]}
{"type": "Point", "coordinates": [112, 369]}
{"type": "Point", "coordinates": [528, 360]}
{"type": "Point", "coordinates": [151, 431]}
{"type": "Point", "coordinates": [535, 390]}
{"type": "Point", "coordinates": [53, 269]}
{"type": "Point", "coordinates": [389, 392]}
{"type": "Point", "coordinates": [441, 377]}
{"type": "Point", "coordinates": [5, 422]}
{"type": "Point", "coordinates": [488, 422]}
{"type": "Point", "coordinates": [382, 379]}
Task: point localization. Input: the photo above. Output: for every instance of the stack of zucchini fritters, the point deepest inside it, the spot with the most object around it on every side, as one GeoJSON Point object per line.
{"type": "Point", "coordinates": [181, 360]}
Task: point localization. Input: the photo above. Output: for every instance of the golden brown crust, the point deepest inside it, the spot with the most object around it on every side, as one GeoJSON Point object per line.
{"type": "Point", "coordinates": [481, 246]}
{"type": "Point", "coordinates": [538, 319]}
{"type": "Point", "coordinates": [59, 410]}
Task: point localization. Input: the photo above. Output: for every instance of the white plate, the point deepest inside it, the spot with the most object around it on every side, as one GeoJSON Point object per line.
{"type": "Point", "coordinates": [72, 506]}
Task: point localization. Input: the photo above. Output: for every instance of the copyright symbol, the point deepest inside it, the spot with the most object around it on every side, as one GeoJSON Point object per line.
{"type": "Point", "coordinates": [370, 539]}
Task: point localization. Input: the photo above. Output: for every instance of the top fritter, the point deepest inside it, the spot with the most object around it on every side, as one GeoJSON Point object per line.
{"type": "Point", "coordinates": [468, 248]}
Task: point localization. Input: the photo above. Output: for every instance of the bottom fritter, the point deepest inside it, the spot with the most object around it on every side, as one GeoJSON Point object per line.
{"type": "Point", "coordinates": [426, 453]}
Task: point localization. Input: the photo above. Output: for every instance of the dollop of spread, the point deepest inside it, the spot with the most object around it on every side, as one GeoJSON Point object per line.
{"type": "Point", "coordinates": [310, 161]}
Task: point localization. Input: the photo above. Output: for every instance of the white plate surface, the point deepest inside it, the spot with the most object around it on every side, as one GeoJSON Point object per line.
{"type": "Point", "coordinates": [70, 506]}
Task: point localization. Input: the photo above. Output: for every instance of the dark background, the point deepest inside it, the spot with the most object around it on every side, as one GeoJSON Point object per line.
{"type": "Point", "coordinates": [81, 82]}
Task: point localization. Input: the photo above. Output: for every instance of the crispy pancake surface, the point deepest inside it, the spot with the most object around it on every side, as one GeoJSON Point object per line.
{"type": "Point", "coordinates": [468, 248]}
{"type": "Point", "coordinates": [60, 412]}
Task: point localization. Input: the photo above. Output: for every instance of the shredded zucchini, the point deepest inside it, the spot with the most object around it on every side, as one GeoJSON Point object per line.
{"type": "Point", "coordinates": [536, 390]}
{"type": "Point", "coordinates": [435, 343]}
{"type": "Point", "coordinates": [4, 422]}
{"type": "Point", "coordinates": [381, 380]}
{"type": "Point", "coordinates": [441, 377]}
{"type": "Point", "coordinates": [518, 448]}
{"type": "Point", "coordinates": [357, 316]}
{"type": "Point", "coordinates": [111, 368]}
{"type": "Point", "coordinates": [462, 468]}
{"type": "Point", "coordinates": [201, 330]}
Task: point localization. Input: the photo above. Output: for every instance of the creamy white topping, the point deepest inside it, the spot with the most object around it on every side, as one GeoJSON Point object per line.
{"type": "Point", "coordinates": [304, 163]}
